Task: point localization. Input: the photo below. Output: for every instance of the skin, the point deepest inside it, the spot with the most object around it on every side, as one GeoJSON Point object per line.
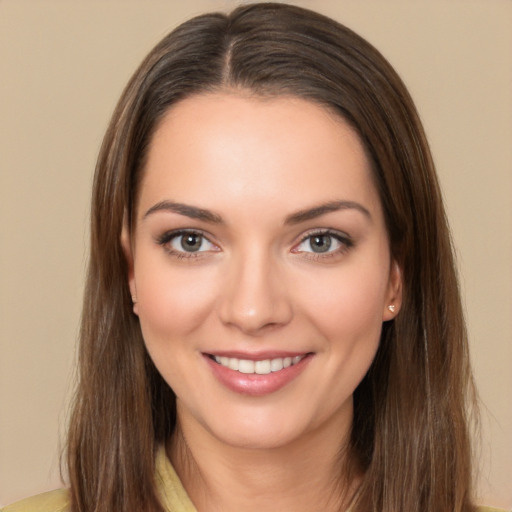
{"type": "Point", "coordinates": [257, 284]}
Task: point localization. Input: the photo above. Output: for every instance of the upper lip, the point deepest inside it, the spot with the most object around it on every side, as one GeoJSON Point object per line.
{"type": "Point", "coordinates": [257, 356]}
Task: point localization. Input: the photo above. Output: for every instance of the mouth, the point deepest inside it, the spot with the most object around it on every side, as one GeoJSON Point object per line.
{"type": "Point", "coordinates": [257, 367]}
{"type": "Point", "coordinates": [257, 374]}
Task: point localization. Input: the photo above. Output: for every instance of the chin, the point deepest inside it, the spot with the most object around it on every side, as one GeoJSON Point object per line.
{"type": "Point", "coordinates": [266, 428]}
{"type": "Point", "coordinates": [257, 438]}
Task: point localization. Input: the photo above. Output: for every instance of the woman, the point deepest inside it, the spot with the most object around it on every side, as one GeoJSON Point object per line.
{"type": "Point", "coordinates": [271, 318]}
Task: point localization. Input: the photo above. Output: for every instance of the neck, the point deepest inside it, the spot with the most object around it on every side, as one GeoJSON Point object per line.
{"type": "Point", "coordinates": [312, 473]}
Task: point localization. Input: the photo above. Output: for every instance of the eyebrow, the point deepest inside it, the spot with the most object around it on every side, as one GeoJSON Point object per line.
{"type": "Point", "coordinates": [192, 212]}
{"type": "Point", "coordinates": [322, 209]}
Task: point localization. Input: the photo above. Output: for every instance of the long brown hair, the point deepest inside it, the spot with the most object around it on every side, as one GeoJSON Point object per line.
{"type": "Point", "coordinates": [410, 431]}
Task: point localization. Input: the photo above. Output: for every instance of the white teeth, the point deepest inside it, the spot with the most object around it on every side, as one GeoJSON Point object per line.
{"type": "Point", "coordinates": [263, 367]}
{"type": "Point", "coordinates": [276, 365]}
{"type": "Point", "coordinates": [245, 366]}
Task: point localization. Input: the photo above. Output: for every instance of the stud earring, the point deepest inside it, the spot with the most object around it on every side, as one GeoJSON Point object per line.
{"type": "Point", "coordinates": [391, 308]}
{"type": "Point", "coordinates": [134, 299]}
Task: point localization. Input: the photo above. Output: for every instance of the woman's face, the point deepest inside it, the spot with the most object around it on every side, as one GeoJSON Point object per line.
{"type": "Point", "coordinates": [261, 267]}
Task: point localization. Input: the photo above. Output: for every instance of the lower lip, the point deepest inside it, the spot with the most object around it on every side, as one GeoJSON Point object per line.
{"type": "Point", "coordinates": [254, 384]}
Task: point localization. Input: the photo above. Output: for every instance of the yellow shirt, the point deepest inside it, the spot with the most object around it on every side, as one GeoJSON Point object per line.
{"type": "Point", "coordinates": [172, 493]}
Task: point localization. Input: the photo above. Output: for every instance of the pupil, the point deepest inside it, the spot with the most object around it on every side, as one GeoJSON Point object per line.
{"type": "Point", "coordinates": [320, 243]}
{"type": "Point", "coordinates": [191, 242]}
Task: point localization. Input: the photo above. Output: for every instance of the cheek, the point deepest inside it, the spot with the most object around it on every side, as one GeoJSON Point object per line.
{"type": "Point", "coordinates": [347, 305]}
{"type": "Point", "coordinates": [346, 312]}
{"type": "Point", "coordinates": [172, 302]}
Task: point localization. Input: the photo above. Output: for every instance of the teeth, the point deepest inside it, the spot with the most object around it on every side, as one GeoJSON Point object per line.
{"type": "Point", "coordinates": [262, 367]}
{"type": "Point", "coordinates": [245, 366]}
{"type": "Point", "coordinates": [258, 367]}
{"type": "Point", "coordinates": [276, 365]}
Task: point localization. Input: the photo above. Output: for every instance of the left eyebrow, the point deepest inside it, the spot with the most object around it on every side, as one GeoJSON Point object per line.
{"type": "Point", "coordinates": [322, 209]}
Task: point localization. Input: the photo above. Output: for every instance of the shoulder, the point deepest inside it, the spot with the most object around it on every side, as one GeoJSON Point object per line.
{"type": "Point", "coordinates": [53, 501]}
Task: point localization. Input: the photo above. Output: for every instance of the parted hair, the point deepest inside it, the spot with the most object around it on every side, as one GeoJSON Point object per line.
{"type": "Point", "coordinates": [410, 432]}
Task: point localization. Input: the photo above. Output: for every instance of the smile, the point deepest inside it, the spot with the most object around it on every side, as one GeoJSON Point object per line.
{"type": "Point", "coordinates": [257, 375]}
{"type": "Point", "coordinates": [262, 367]}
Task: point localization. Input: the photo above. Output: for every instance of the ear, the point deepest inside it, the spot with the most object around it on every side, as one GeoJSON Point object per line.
{"type": "Point", "coordinates": [127, 246]}
{"type": "Point", "coordinates": [393, 301]}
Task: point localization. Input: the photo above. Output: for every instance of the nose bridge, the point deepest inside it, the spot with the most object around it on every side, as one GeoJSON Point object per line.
{"type": "Point", "coordinates": [254, 298]}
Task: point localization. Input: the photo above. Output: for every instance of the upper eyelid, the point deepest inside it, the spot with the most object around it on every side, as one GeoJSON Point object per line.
{"type": "Point", "coordinates": [172, 233]}
{"type": "Point", "coordinates": [325, 231]}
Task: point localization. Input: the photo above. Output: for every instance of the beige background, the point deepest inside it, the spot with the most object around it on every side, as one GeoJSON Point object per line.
{"type": "Point", "coordinates": [63, 65]}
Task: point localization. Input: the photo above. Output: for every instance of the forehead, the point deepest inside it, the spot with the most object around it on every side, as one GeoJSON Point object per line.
{"type": "Point", "coordinates": [284, 152]}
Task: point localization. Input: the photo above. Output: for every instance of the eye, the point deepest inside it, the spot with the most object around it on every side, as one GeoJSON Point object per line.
{"type": "Point", "coordinates": [186, 243]}
{"type": "Point", "coordinates": [318, 243]}
{"type": "Point", "coordinates": [190, 242]}
{"type": "Point", "coordinates": [324, 242]}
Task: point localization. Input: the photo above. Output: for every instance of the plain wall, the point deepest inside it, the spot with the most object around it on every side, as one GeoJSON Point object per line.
{"type": "Point", "coordinates": [63, 66]}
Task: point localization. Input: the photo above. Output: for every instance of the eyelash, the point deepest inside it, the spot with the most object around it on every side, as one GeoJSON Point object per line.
{"type": "Point", "coordinates": [346, 243]}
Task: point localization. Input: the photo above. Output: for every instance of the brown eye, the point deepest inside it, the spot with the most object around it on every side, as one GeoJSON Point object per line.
{"type": "Point", "coordinates": [191, 242]}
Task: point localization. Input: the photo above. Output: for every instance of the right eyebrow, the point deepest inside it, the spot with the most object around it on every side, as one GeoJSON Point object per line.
{"type": "Point", "coordinates": [193, 212]}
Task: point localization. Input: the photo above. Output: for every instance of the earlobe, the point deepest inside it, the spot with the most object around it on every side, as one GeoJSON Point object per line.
{"type": "Point", "coordinates": [126, 244]}
{"type": "Point", "coordinates": [394, 297]}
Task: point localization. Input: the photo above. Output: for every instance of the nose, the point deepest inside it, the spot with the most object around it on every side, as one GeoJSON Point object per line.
{"type": "Point", "coordinates": [254, 295]}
